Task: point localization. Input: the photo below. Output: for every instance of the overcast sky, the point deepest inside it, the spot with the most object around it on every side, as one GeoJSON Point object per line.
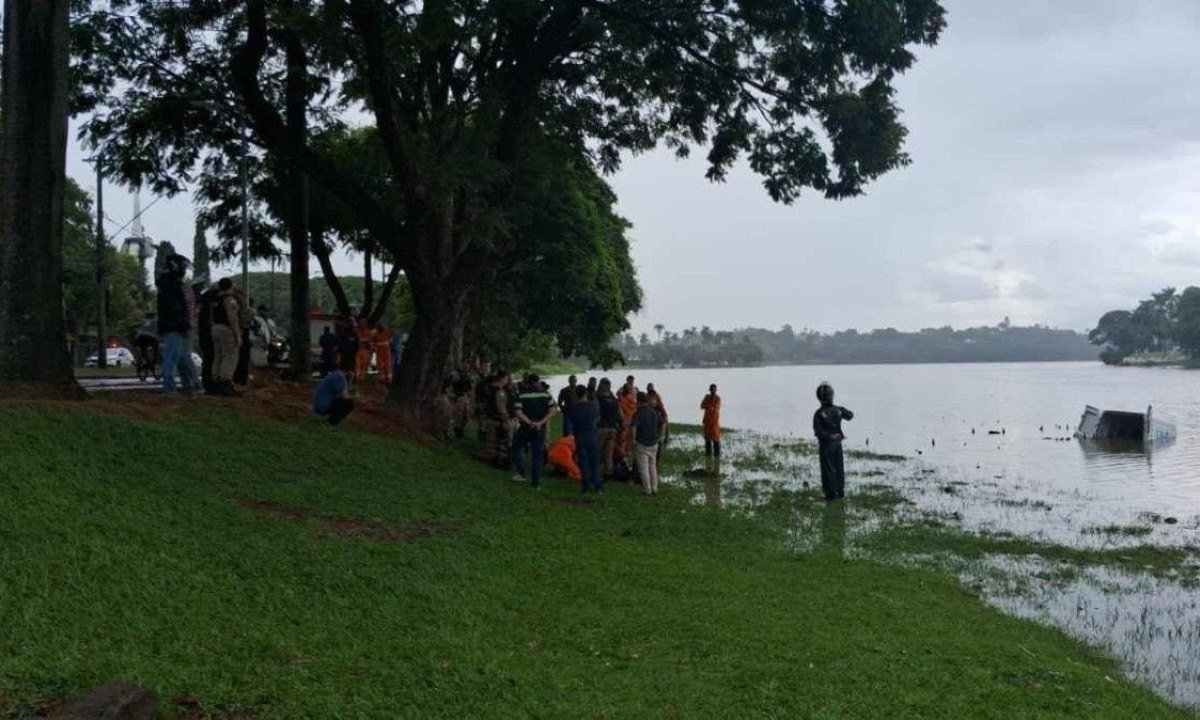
{"type": "Point", "coordinates": [1055, 175]}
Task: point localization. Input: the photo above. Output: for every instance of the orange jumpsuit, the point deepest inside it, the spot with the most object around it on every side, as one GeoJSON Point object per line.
{"type": "Point", "coordinates": [562, 457]}
{"type": "Point", "coordinates": [711, 405]}
{"type": "Point", "coordinates": [383, 354]}
{"type": "Point", "coordinates": [366, 345]}
{"type": "Point", "coordinates": [628, 403]}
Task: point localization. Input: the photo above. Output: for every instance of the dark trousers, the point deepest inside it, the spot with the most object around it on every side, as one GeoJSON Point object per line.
{"type": "Point", "coordinates": [833, 471]}
{"type": "Point", "coordinates": [566, 427]}
{"type": "Point", "coordinates": [712, 448]}
{"type": "Point", "coordinates": [587, 446]}
{"type": "Point", "coordinates": [241, 375]}
{"type": "Point", "coordinates": [206, 360]}
{"type": "Point", "coordinates": [338, 411]}
{"type": "Point", "coordinates": [535, 442]}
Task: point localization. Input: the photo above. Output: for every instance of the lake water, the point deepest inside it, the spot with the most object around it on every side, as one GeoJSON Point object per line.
{"type": "Point", "coordinates": [1031, 480]}
{"type": "Point", "coordinates": [929, 412]}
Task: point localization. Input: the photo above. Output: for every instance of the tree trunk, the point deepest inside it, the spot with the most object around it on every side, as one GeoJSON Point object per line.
{"type": "Point", "coordinates": [385, 296]}
{"type": "Point", "coordinates": [297, 128]}
{"type": "Point", "coordinates": [368, 306]}
{"type": "Point", "coordinates": [33, 142]}
{"type": "Point", "coordinates": [321, 250]}
{"type": "Point", "coordinates": [432, 349]}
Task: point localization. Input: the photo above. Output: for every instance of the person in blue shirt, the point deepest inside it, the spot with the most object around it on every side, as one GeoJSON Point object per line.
{"type": "Point", "coordinates": [585, 422]}
{"type": "Point", "coordinates": [332, 398]}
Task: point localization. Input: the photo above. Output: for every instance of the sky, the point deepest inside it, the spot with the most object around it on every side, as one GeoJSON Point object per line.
{"type": "Point", "coordinates": [1055, 176]}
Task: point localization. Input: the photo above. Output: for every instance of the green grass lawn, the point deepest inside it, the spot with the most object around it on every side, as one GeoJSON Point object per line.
{"type": "Point", "coordinates": [287, 571]}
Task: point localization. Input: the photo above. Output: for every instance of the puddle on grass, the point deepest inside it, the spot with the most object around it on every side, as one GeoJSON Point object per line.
{"type": "Point", "coordinates": [1149, 622]}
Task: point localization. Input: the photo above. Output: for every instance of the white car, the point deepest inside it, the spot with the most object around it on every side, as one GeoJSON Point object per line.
{"type": "Point", "coordinates": [116, 357]}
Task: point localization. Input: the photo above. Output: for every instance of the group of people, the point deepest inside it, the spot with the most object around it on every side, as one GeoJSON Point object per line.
{"type": "Point", "coordinates": [350, 345]}
{"type": "Point", "coordinates": [218, 314]}
{"type": "Point", "coordinates": [607, 434]}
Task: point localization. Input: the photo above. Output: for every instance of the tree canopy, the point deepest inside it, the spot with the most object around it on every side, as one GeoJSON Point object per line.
{"type": "Point", "coordinates": [468, 99]}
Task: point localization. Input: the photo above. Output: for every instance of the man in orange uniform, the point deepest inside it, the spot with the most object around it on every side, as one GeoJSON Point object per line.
{"type": "Point", "coordinates": [366, 345]}
{"type": "Point", "coordinates": [627, 399]}
{"type": "Point", "coordinates": [711, 405]}
{"type": "Point", "coordinates": [383, 353]}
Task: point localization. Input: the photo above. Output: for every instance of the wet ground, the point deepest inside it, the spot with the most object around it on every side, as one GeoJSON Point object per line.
{"type": "Point", "coordinates": [1117, 578]}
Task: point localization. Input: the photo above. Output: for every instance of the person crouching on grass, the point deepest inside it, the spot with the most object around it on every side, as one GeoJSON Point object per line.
{"type": "Point", "coordinates": [827, 426]}
{"type": "Point", "coordinates": [332, 399]}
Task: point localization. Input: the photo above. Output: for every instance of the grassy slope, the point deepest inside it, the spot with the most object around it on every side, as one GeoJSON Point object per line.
{"type": "Point", "coordinates": [123, 553]}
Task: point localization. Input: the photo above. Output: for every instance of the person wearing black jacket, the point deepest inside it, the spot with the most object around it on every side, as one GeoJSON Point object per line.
{"type": "Point", "coordinates": [610, 425]}
{"type": "Point", "coordinates": [174, 324]}
{"type": "Point", "coordinates": [827, 426]}
{"type": "Point", "coordinates": [585, 423]}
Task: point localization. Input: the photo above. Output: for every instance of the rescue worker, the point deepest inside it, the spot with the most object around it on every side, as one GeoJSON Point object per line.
{"type": "Point", "coordinates": [533, 409]}
{"type": "Point", "coordinates": [204, 335]}
{"type": "Point", "coordinates": [711, 405]}
{"type": "Point", "coordinates": [627, 399]}
{"type": "Point", "coordinates": [566, 398]}
{"type": "Point", "coordinates": [500, 442]}
{"type": "Point", "coordinates": [610, 425]}
{"type": "Point", "coordinates": [241, 375]}
{"type": "Point", "coordinates": [827, 426]}
{"type": "Point", "coordinates": [366, 346]}
{"type": "Point", "coordinates": [227, 337]}
{"type": "Point", "coordinates": [383, 353]}
{"type": "Point", "coordinates": [585, 421]}
{"type": "Point", "coordinates": [329, 351]}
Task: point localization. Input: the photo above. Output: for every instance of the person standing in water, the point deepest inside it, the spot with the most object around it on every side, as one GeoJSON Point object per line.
{"type": "Point", "coordinates": [711, 405]}
{"type": "Point", "coordinates": [827, 425]}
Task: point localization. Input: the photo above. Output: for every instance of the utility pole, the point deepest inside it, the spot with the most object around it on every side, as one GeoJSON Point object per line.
{"type": "Point", "coordinates": [101, 281]}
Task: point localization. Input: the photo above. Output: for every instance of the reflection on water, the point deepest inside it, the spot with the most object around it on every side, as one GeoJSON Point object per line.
{"type": "Point", "coordinates": [1151, 624]}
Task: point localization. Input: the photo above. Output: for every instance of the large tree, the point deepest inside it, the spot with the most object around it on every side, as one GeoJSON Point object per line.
{"type": "Point", "coordinates": [467, 96]}
{"type": "Point", "coordinates": [33, 142]}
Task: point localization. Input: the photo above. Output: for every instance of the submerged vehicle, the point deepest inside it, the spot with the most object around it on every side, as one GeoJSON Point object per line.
{"type": "Point", "coordinates": [1115, 426]}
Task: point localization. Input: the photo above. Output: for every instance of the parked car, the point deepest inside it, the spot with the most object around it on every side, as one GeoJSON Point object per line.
{"type": "Point", "coordinates": [116, 357]}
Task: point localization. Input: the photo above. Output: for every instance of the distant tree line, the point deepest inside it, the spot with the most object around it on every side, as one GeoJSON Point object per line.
{"type": "Point", "coordinates": [786, 346]}
{"type": "Point", "coordinates": [1165, 322]}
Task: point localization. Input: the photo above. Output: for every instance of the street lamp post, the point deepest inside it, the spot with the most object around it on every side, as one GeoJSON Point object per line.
{"type": "Point", "coordinates": [101, 281]}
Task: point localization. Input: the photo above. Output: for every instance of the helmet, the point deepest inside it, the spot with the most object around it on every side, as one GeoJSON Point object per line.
{"type": "Point", "coordinates": [825, 392]}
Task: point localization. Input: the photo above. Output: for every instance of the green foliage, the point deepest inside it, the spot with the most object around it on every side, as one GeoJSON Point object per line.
{"type": "Point", "coordinates": [749, 346]}
{"type": "Point", "coordinates": [127, 298]}
{"type": "Point", "coordinates": [399, 314]}
{"type": "Point", "coordinates": [145, 563]}
{"type": "Point", "coordinates": [1187, 321]}
{"type": "Point", "coordinates": [570, 283]}
{"type": "Point", "coordinates": [1168, 320]}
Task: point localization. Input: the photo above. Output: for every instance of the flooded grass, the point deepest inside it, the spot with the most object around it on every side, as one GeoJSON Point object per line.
{"type": "Point", "coordinates": [1127, 585]}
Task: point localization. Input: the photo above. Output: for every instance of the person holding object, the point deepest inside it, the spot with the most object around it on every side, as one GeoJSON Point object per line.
{"type": "Point", "coordinates": [827, 426]}
{"type": "Point", "coordinates": [711, 405]}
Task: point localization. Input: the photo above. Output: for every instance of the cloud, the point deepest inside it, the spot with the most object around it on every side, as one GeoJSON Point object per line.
{"type": "Point", "coordinates": [1178, 253]}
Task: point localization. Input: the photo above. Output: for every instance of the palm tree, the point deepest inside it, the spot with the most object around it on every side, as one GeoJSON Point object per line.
{"type": "Point", "coordinates": [659, 328]}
